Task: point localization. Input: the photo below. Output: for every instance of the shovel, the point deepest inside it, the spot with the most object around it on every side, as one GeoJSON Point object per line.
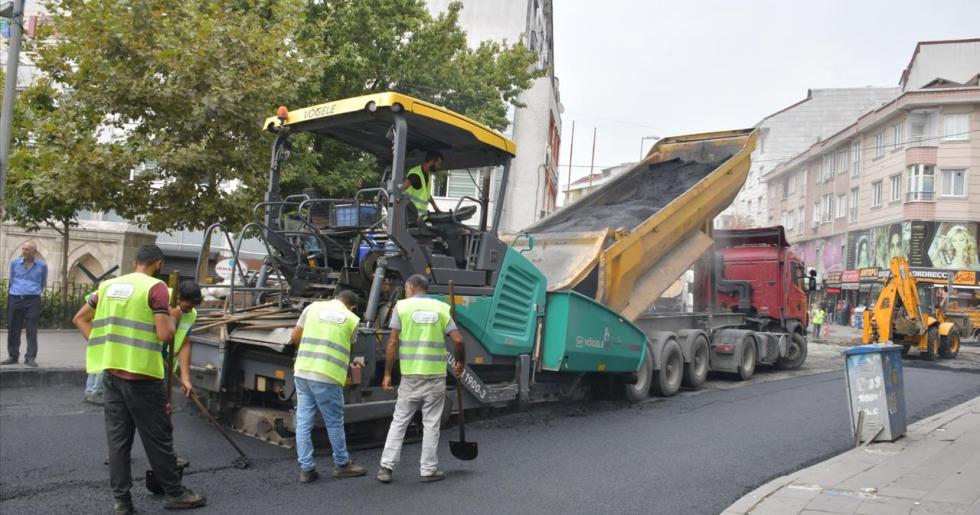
{"type": "Point", "coordinates": [462, 449]}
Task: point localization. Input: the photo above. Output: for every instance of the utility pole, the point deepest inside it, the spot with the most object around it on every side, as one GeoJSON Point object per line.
{"type": "Point", "coordinates": [15, 11]}
{"type": "Point", "coordinates": [571, 148]}
{"type": "Point", "coordinates": [592, 166]}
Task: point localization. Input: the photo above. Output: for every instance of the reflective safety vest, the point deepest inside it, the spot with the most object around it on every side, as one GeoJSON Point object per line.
{"type": "Point", "coordinates": [422, 350]}
{"type": "Point", "coordinates": [818, 316]}
{"type": "Point", "coordinates": [124, 335]}
{"type": "Point", "coordinates": [324, 349]}
{"type": "Point", "coordinates": [419, 196]}
{"type": "Point", "coordinates": [180, 336]}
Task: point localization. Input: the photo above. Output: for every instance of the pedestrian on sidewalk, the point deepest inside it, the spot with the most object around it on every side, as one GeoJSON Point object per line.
{"type": "Point", "coordinates": [817, 318]}
{"type": "Point", "coordinates": [28, 278]}
{"type": "Point", "coordinates": [126, 324]}
{"type": "Point", "coordinates": [324, 334]}
{"type": "Point", "coordinates": [419, 326]}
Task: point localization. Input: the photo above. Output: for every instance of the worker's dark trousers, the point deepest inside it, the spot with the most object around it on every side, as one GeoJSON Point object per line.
{"type": "Point", "coordinates": [23, 312]}
{"type": "Point", "coordinates": [132, 406]}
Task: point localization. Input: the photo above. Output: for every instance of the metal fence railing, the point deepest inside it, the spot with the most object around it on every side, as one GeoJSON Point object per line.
{"type": "Point", "coordinates": [55, 314]}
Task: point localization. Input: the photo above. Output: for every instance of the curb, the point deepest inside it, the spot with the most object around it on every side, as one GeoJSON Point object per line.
{"type": "Point", "coordinates": [747, 503]}
{"type": "Point", "coordinates": [27, 377]}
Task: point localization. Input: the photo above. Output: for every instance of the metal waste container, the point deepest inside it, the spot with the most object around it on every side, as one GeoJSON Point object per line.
{"type": "Point", "coordinates": [875, 386]}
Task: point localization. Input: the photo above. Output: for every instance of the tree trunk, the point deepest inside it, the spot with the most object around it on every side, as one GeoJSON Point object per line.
{"type": "Point", "coordinates": [65, 241]}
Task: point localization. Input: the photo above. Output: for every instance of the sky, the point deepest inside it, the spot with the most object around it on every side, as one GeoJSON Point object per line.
{"type": "Point", "coordinates": [632, 69]}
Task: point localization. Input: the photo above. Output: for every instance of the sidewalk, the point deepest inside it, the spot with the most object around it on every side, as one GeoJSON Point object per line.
{"type": "Point", "coordinates": [934, 468]}
{"type": "Point", "coordinates": [60, 359]}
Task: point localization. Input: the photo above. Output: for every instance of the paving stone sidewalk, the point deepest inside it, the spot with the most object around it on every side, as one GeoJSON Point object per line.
{"type": "Point", "coordinates": [934, 468]}
{"type": "Point", "coordinates": [60, 359]}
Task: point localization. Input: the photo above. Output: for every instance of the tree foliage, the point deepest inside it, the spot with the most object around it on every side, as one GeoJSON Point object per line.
{"type": "Point", "coordinates": [177, 91]}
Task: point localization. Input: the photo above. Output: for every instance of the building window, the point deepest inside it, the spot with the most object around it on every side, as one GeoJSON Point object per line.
{"type": "Point", "coordinates": [802, 182]}
{"type": "Point", "coordinates": [841, 205]}
{"type": "Point", "coordinates": [880, 144]}
{"type": "Point", "coordinates": [897, 136]}
{"type": "Point", "coordinates": [815, 216]}
{"type": "Point", "coordinates": [956, 127]}
{"type": "Point", "coordinates": [842, 161]}
{"type": "Point", "coordinates": [922, 126]}
{"type": "Point", "coordinates": [922, 180]}
{"type": "Point", "coordinates": [854, 204]}
{"type": "Point", "coordinates": [801, 219]}
{"type": "Point", "coordinates": [827, 168]}
{"type": "Point", "coordinates": [828, 208]}
{"type": "Point", "coordinates": [761, 207]}
{"type": "Point", "coordinates": [856, 156]}
{"type": "Point", "coordinates": [876, 194]}
{"type": "Point", "coordinates": [954, 183]}
{"type": "Point", "coordinates": [896, 181]}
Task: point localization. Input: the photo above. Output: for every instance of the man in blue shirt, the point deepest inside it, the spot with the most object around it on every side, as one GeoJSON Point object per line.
{"type": "Point", "coordinates": [28, 278]}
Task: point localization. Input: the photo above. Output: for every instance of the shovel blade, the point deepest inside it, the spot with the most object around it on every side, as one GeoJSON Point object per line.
{"type": "Point", "coordinates": [465, 451]}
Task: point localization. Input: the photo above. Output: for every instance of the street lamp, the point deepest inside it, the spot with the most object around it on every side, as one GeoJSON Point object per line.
{"type": "Point", "coordinates": [14, 10]}
{"type": "Point", "coordinates": [644, 138]}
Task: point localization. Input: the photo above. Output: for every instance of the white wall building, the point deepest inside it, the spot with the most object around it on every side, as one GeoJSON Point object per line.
{"type": "Point", "coordinates": [788, 132]}
{"type": "Point", "coordinates": [532, 190]}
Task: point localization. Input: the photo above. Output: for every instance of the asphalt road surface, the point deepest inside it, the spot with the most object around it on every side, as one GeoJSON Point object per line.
{"type": "Point", "coordinates": [694, 453]}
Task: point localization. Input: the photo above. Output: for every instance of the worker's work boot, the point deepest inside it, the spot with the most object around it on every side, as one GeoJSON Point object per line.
{"type": "Point", "coordinates": [384, 475]}
{"type": "Point", "coordinates": [123, 506]}
{"type": "Point", "coordinates": [308, 476]}
{"type": "Point", "coordinates": [9, 361]}
{"type": "Point", "coordinates": [30, 362]}
{"type": "Point", "coordinates": [182, 463]}
{"type": "Point", "coordinates": [184, 501]}
{"type": "Point", "coordinates": [351, 469]}
{"type": "Point", "coordinates": [438, 475]}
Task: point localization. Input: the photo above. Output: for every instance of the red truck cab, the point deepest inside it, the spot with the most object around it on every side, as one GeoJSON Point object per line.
{"type": "Point", "coordinates": [756, 273]}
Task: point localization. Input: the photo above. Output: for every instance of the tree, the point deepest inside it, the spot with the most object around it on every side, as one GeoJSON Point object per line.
{"type": "Point", "coordinates": [396, 45]}
{"type": "Point", "coordinates": [177, 90]}
{"type": "Point", "coordinates": [60, 167]}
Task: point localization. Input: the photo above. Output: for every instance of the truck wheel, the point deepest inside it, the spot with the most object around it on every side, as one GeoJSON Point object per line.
{"type": "Point", "coordinates": [696, 372]}
{"type": "Point", "coordinates": [795, 354]}
{"type": "Point", "coordinates": [949, 345]}
{"type": "Point", "coordinates": [746, 365]}
{"type": "Point", "coordinates": [931, 353]}
{"type": "Point", "coordinates": [640, 390]}
{"type": "Point", "coordinates": [667, 381]}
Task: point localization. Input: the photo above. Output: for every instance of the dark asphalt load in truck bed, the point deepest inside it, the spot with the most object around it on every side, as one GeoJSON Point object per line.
{"type": "Point", "coordinates": [632, 200]}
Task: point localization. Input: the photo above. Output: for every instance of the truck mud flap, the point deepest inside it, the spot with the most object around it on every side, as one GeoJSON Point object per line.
{"type": "Point", "coordinates": [479, 390]}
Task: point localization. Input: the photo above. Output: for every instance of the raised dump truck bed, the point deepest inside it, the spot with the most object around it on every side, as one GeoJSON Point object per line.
{"type": "Point", "coordinates": [627, 242]}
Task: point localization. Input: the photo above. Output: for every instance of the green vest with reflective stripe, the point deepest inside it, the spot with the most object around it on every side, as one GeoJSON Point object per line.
{"type": "Point", "coordinates": [183, 329]}
{"type": "Point", "coordinates": [419, 196]}
{"type": "Point", "coordinates": [324, 349]}
{"type": "Point", "coordinates": [124, 335]}
{"type": "Point", "coordinates": [422, 350]}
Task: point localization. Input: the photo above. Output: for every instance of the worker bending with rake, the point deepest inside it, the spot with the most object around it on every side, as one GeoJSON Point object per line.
{"type": "Point", "coordinates": [419, 326]}
{"type": "Point", "coordinates": [323, 334]}
{"type": "Point", "coordinates": [126, 324]}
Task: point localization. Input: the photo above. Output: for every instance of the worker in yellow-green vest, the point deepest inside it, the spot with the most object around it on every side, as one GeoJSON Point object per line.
{"type": "Point", "coordinates": [126, 324]}
{"type": "Point", "coordinates": [418, 185]}
{"type": "Point", "coordinates": [419, 326]}
{"type": "Point", "coordinates": [323, 335]}
{"type": "Point", "coordinates": [185, 314]}
{"type": "Point", "coordinates": [817, 319]}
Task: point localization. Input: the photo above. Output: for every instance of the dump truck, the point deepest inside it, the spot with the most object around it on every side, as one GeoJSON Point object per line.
{"type": "Point", "coordinates": [904, 314]}
{"type": "Point", "coordinates": [550, 313]}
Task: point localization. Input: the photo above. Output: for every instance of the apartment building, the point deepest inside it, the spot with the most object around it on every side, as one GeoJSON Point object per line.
{"type": "Point", "coordinates": [532, 188]}
{"type": "Point", "coordinates": [788, 132]}
{"type": "Point", "coordinates": [901, 179]}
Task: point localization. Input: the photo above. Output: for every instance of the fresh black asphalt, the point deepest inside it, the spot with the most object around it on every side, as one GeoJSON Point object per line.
{"type": "Point", "coordinates": [694, 453]}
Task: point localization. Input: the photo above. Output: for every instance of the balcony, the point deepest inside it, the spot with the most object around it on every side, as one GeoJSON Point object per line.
{"type": "Point", "coordinates": [920, 196]}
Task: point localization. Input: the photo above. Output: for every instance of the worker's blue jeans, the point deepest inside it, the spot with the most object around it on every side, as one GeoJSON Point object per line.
{"type": "Point", "coordinates": [329, 399]}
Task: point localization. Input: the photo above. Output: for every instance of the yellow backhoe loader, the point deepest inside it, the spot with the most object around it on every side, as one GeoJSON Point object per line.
{"type": "Point", "coordinates": [901, 315]}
